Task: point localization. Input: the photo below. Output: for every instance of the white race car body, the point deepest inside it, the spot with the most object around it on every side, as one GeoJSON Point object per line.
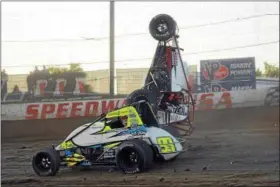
{"type": "Point", "coordinates": [152, 135]}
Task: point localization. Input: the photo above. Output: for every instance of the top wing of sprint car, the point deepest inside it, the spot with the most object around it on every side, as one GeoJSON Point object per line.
{"type": "Point", "coordinates": [166, 86]}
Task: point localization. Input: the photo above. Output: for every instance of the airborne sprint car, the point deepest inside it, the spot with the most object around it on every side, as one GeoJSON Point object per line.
{"type": "Point", "coordinates": [128, 137]}
{"type": "Point", "coordinates": [166, 85]}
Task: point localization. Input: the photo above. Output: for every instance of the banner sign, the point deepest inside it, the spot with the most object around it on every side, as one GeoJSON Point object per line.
{"type": "Point", "coordinates": [70, 109]}
{"type": "Point", "coordinates": [87, 108]}
{"type": "Point", "coordinates": [228, 74]}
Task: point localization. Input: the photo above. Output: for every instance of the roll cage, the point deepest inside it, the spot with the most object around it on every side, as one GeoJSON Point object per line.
{"type": "Point", "coordinates": [159, 80]}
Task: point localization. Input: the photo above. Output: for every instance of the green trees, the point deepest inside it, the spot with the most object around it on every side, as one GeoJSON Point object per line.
{"type": "Point", "coordinates": [270, 70]}
{"type": "Point", "coordinates": [72, 68]}
{"type": "Point", "coordinates": [258, 72]}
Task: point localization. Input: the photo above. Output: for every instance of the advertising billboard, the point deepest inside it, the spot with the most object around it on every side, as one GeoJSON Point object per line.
{"type": "Point", "coordinates": [227, 74]}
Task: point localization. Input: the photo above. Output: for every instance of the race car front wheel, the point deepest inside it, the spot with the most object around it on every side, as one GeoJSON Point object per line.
{"type": "Point", "coordinates": [162, 27]}
{"type": "Point", "coordinates": [134, 156]}
{"type": "Point", "coordinates": [46, 162]}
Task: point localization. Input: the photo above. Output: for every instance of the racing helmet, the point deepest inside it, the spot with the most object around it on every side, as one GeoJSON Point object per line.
{"type": "Point", "coordinates": [124, 120]}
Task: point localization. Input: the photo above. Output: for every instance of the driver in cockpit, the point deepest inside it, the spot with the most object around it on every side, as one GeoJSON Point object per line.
{"type": "Point", "coordinates": [123, 120]}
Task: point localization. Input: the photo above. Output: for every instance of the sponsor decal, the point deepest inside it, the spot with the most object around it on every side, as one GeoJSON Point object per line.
{"type": "Point", "coordinates": [177, 117]}
{"type": "Point", "coordinates": [134, 131]}
{"type": "Point", "coordinates": [220, 72]}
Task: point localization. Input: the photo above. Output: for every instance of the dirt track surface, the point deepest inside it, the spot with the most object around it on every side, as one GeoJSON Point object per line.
{"type": "Point", "coordinates": [238, 152]}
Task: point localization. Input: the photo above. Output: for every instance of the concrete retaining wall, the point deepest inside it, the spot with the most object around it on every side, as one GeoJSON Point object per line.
{"type": "Point", "coordinates": [234, 118]}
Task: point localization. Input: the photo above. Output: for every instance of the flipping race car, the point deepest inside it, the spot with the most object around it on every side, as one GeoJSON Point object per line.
{"type": "Point", "coordinates": [147, 129]}
{"type": "Point", "coordinates": [166, 86]}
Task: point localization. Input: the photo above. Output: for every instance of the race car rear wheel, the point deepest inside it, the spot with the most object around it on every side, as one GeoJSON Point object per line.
{"type": "Point", "coordinates": [141, 94]}
{"type": "Point", "coordinates": [162, 27]}
{"type": "Point", "coordinates": [134, 156]}
{"type": "Point", "coordinates": [46, 162]}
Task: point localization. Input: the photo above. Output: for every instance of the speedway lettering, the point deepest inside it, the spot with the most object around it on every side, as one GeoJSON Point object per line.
{"type": "Point", "coordinates": [71, 109]}
{"type": "Point", "coordinates": [205, 101]}
{"type": "Point", "coordinates": [208, 101]}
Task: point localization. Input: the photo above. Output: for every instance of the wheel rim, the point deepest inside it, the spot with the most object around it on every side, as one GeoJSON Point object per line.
{"type": "Point", "coordinates": [162, 27]}
{"type": "Point", "coordinates": [130, 159]}
{"type": "Point", "coordinates": [43, 162]}
{"type": "Point", "coordinates": [133, 158]}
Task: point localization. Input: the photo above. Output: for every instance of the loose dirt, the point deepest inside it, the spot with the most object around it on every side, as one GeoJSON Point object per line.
{"type": "Point", "coordinates": [231, 147]}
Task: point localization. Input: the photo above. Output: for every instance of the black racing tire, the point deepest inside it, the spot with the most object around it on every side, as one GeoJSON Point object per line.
{"type": "Point", "coordinates": [166, 24]}
{"type": "Point", "coordinates": [143, 152]}
{"type": "Point", "coordinates": [146, 95]}
{"type": "Point", "coordinates": [53, 156]}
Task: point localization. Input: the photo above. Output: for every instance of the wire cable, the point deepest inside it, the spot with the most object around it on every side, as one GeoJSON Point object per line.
{"type": "Point", "coordinates": [84, 39]}
{"type": "Point", "coordinates": [149, 58]}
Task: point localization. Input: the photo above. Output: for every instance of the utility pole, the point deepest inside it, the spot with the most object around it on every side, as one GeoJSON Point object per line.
{"type": "Point", "coordinates": [112, 48]}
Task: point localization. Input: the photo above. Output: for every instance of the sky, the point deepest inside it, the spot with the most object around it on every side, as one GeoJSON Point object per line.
{"type": "Point", "coordinates": [48, 33]}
